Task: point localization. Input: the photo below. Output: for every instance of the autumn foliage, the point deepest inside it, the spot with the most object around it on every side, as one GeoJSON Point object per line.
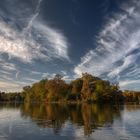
{"type": "Point", "coordinates": [86, 88]}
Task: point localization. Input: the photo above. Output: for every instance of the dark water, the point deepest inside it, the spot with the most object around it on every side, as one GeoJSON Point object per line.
{"type": "Point", "coordinates": [69, 122]}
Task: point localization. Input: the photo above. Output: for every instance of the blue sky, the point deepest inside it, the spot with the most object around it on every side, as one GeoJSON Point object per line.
{"type": "Point", "coordinates": [39, 38]}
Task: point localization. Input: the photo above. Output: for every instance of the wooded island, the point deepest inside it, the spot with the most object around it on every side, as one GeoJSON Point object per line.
{"type": "Point", "coordinates": [87, 88]}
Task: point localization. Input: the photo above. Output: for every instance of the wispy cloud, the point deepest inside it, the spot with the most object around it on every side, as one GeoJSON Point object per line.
{"type": "Point", "coordinates": [33, 18]}
{"type": "Point", "coordinates": [45, 75]}
{"type": "Point", "coordinates": [5, 72]}
{"type": "Point", "coordinates": [6, 77]}
{"type": "Point", "coordinates": [8, 86]}
{"type": "Point", "coordinates": [63, 72]}
{"type": "Point", "coordinates": [27, 40]}
{"type": "Point", "coordinates": [35, 72]}
{"type": "Point", "coordinates": [30, 80]}
{"type": "Point", "coordinates": [130, 84]}
{"type": "Point", "coordinates": [7, 66]}
{"type": "Point", "coordinates": [118, 45]}
{"type": "Point", "coordinates": [49, 43]}
{"type": "Point", "coordinates": [36, 40]}
{"type": "Point", "coordinates": [127, 62]}
{"type": "Point", "coordinates": [54, 42]}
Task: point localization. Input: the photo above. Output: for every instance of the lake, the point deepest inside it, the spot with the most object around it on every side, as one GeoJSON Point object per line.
{"type": "Point", "coordinates": [71, 122]}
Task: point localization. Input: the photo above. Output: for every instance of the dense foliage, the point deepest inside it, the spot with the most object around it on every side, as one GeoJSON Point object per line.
{"type": "Point", "coordinates": [87, 88]}
{"type": "Point", "coordinates": [131, 96]}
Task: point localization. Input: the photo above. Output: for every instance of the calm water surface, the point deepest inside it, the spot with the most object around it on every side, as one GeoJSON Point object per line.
{"type": "Point", "coordinates": [69, 122]}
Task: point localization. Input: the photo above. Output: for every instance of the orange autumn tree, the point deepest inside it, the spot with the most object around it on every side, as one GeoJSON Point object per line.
{"type": "Point", "coordinates": [56, 88]}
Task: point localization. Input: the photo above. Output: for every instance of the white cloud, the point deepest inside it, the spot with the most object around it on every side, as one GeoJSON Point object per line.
{"type": "Point", "coordinates": [63, 72]}
{"type": "Point", "coordinates": [118, 45]}
{"type": "Point", "coordinates": [67, 78]}
{"type": "Point", "coordinates": [91, 63]}
{"type": "Point", "coordinates": [5, 72]}
{"type": "Point", "coordinates": [7, 66]}
{"type": "Point", "coordinates": [128, 82]}
{"type": "Point", "coordinates": [36, 40]}
{"type": "Point", "coordinates": [35, 72]}
{"type": "Point", "coordinates": [127, 61]}
{"type": "Point", "coordinates": [24, 37]}
{"type": "Point", "coordinates": [52, 44]}
{"type": "Point", "coordinates": [135, 72]}
{"type": "Point", "coordinates": [45, 75]}
{"type": "Point", "coordinates": [30, 80]}
{"type": "Point", "coordinates": [56, 44]}
{"type": "Point", "coordinates": [5, 77]}
{"type": "Point", "coordinates": [17, 74]}
{"type": "Point", "coordinates": [9, 86]}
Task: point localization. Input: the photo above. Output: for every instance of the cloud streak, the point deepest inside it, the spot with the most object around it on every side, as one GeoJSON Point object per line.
{"type": "Point", "coordinates": [5, 66]}
{"type": "Point", "coordinates": [8, 86]}
{"type": "Point", "coordinates": [35, 41]}
{"type": "Point", "coordinates": [118, 45]}
{"type": "Point", "coordinates": [27, 40]}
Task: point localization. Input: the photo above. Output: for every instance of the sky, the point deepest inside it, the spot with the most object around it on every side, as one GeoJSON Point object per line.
{"type": "Point", "coordinates": [39, 38]}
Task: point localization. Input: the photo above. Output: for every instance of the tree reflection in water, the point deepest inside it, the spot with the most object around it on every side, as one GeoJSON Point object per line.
{"type": "Point", "coordinates": [88, 116]}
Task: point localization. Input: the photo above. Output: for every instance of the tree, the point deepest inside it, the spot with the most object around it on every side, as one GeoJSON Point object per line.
{"type": "Point", "coordinates": [37, 92]}
{"type": "Point", "coordinates": [76, 86]}
{"type": "Point", "coordinates": [86, 90]}
{"type": "Point", "coordinates": [56, 88]}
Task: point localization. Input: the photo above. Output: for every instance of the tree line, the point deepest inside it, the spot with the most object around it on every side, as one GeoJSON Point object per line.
{"type": "Point", "coordinates": [87, 88]}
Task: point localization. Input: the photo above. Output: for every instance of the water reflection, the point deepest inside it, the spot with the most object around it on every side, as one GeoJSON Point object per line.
{"type": "Point", "coordinates": [89, 117]}
{"type": "Point", "coordinates": [61, 121]}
